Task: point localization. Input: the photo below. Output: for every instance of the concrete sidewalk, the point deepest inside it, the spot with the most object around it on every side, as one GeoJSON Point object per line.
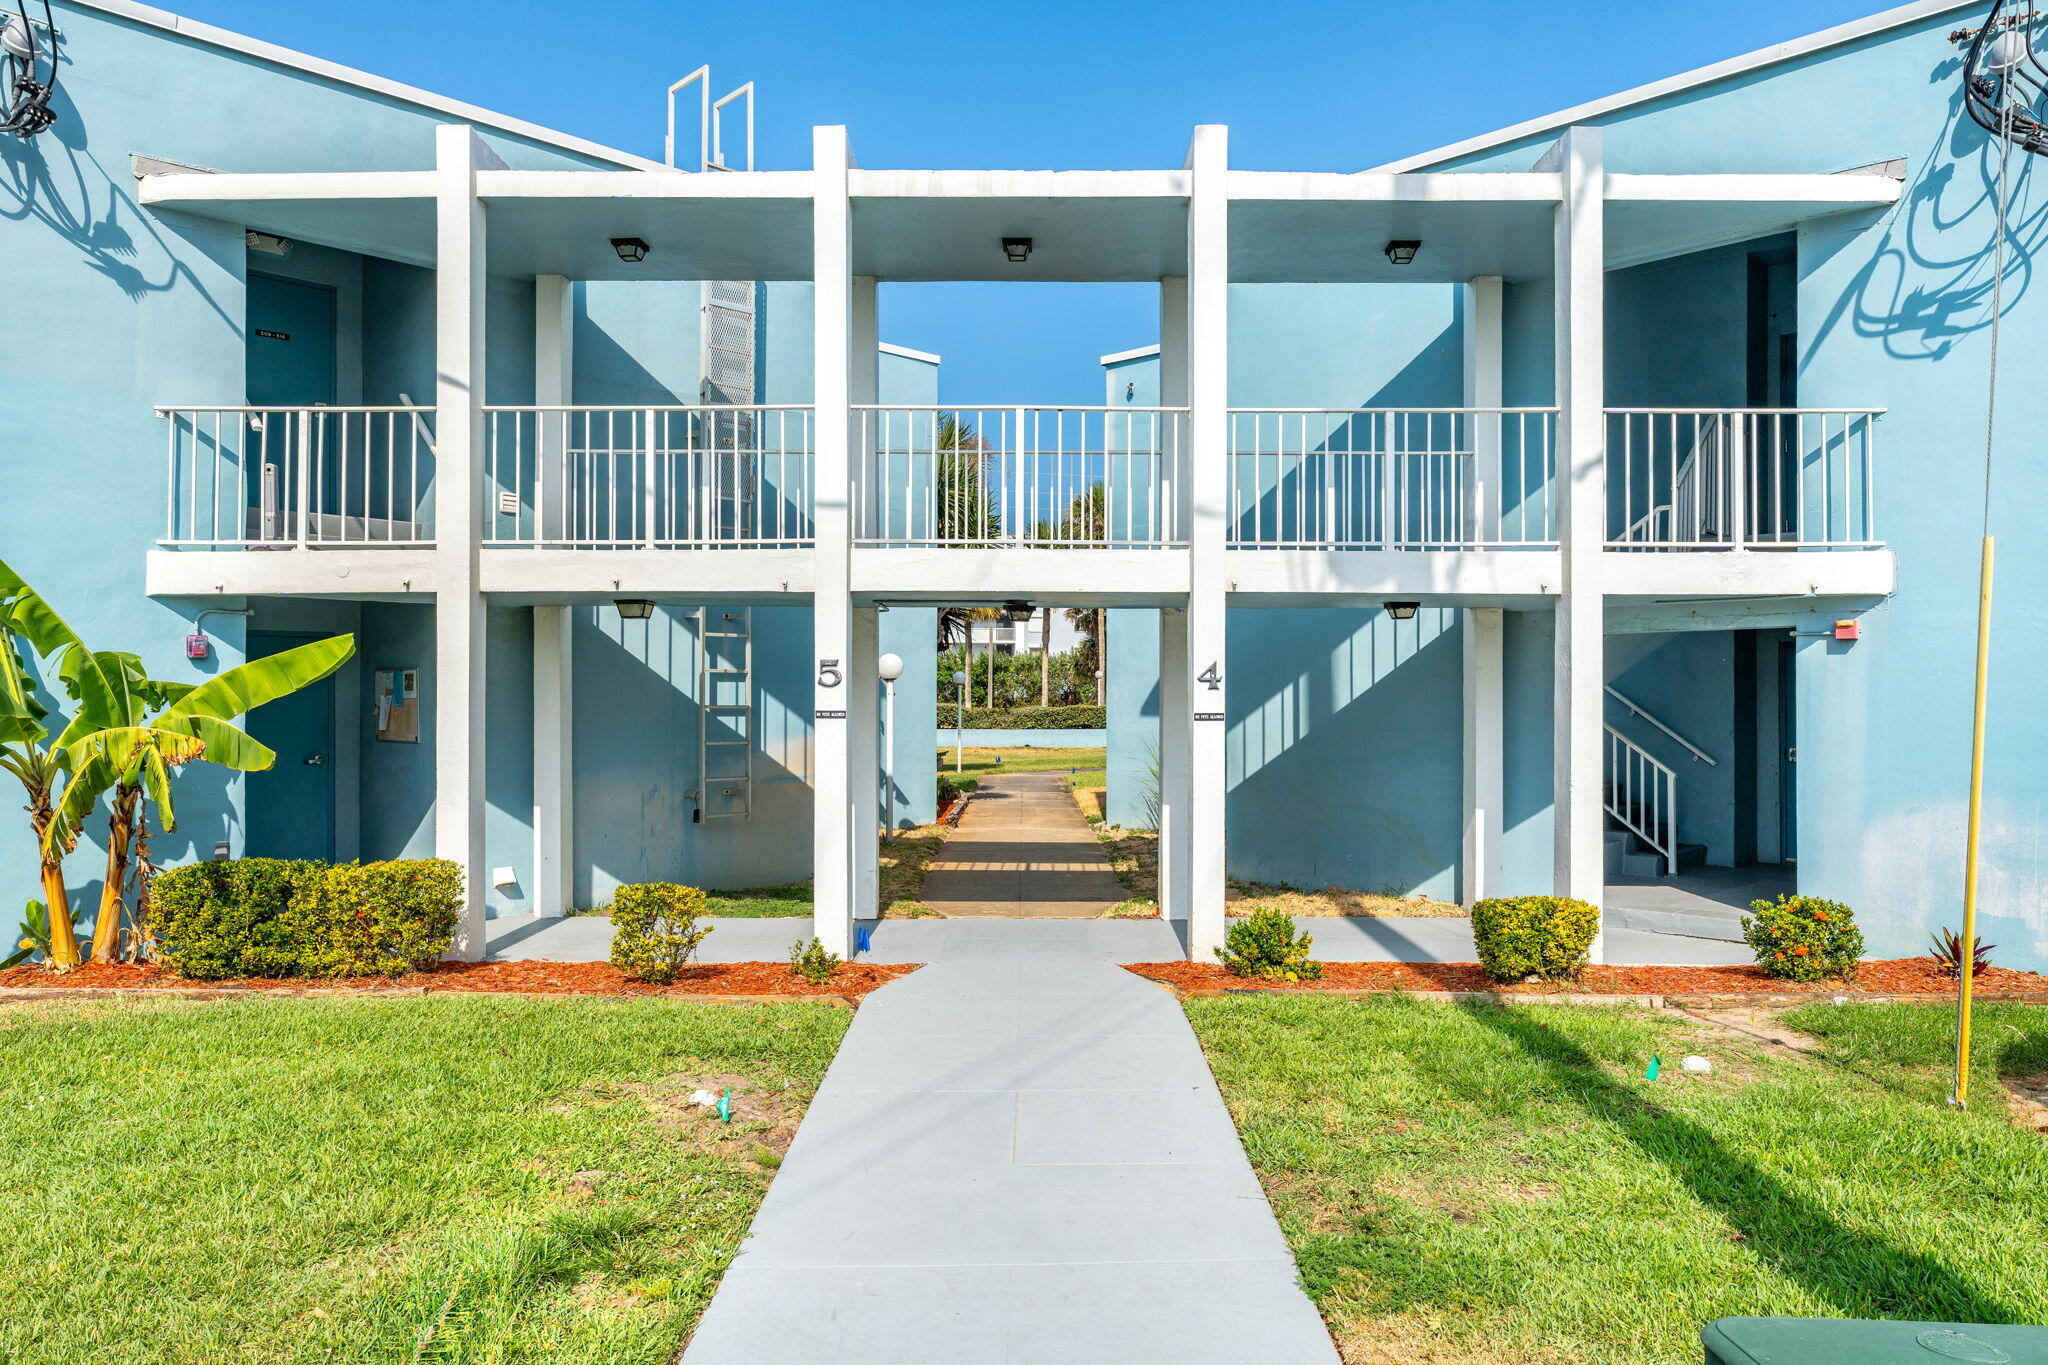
{"type": "Point", "coordinates": [1022, 851]}
{"type": "Point", "coordinates": [1017, 1156]}
{"type": "Point", "coordinates": [588, 938]}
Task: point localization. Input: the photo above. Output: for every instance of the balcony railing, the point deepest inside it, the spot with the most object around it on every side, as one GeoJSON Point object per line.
{"type": "Point", "coordinates": [278, 478]}
{"type": "Point", "coordinates": [1392, 478]}
{"type": "Point", "coordinates": [1741, 478]}
{"type": "Point", "coordinates": [597, 478]}
{"type": "Point", "coordinates": [1044, 478]}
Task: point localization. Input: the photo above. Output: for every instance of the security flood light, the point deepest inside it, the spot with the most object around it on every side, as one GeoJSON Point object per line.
{"type": "Point", "coordinates": [269, 243]}
{"type": "Point", "coordinates": [634, 608]}
{"type": "Point", "coordinates": [1017, 250]}
{"type": "Point", "coordinates": [631, 249]}
{"type": "Point", "coordinates": [1403, 253]}
{"type": "Point", "coordinates": [1402, 611]}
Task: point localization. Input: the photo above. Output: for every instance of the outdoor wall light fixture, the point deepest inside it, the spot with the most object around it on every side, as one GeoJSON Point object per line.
{"type": "Point", "coordinates": [634, 608]}
{"type": "Point", "coordinates": [630, 249]}
{"type": "Point", "coordinates": [1402, 611]}
{"type": "Point", "coordinates": [1403, 253]}
{"type": "Point", "coordinates": [1017, 250]}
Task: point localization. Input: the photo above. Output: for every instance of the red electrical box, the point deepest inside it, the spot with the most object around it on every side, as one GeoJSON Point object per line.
{"type": "Point", "coordinates": [1848, 630]}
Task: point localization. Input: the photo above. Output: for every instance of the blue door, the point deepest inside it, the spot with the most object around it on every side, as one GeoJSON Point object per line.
{"type": "Point", "coordinates": [291, 806]}
{"type": "Point", "coordinates": [290, 364]}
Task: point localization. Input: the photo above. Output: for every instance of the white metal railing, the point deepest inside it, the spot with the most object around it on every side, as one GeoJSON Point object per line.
{"type": "Point", "coordinates": [1076, 477]}
{"type": "Point", "coordinates": [1642, 795]}
{"type": "Point", "coordinates": [281, 477]}
{"type": "Point", "coordinates": [1392, 478]}
{"type": "Point", "coordinates": [1741, 478]}
{"type": "Point", "coordinates": [714, 476]}
{"type": "Point", "coordinates": [1636, 710]}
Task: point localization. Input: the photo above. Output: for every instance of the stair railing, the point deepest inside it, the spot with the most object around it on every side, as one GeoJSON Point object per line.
{"type": "Point", "coordinates": [1642, 796]}
{"type": "Point", "coordinates": [1637, 711]}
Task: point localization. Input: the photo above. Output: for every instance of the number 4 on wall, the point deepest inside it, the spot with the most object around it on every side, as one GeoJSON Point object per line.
{"type": "Point", "coordinates": [1210, 676]}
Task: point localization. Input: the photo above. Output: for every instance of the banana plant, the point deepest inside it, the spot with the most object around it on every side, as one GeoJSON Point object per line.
{"type": "Point", "coordinates": [131, 730]}
{"type": "Point", "coordinates": [26, 752]}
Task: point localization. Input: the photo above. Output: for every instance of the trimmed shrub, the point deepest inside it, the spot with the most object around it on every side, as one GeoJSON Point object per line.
{"type": "Point", "coordinates": [384, 919]}
{"type": "Point", "coordinates": [813, 961]}
{"type": "Point", "coordinates": [1265, 945]}
{"type": "Point", "coordinates": [1523, 936]}
{"type": "Point", "coordinates": [270, 917]}
{"type": "Point", "coordinates": [655, 930]}
{"type": "Point", "coordinates": [1803, 938]}
{"type": "Point", "coordinates": [1028, 718]}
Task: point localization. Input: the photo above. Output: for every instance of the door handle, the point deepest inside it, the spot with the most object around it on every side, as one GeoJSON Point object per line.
{"type": "Point", "coordinates": [316, 760]}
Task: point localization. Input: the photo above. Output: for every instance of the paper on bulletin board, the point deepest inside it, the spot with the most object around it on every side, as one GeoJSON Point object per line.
{"type": "Point", "coordinates": [398, 705]}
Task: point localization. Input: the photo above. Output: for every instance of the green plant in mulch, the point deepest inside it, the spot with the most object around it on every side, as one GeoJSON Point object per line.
{"type": "Point", "coordinates": [1803, 938]}
{"type": "Point", "coordinates": [274, 917]}
{"type": "Point", "coordinates": [655, 930]}
{"type": "Point", "coordinates": [813, 961]}
{"type": "Point", "coordinates": [1266, 946]}
{"type": "Point", "coordinates": [1545, 936]}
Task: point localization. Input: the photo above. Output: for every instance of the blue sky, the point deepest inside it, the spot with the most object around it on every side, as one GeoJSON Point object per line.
{"type": "Point", "coordinates": [1049, 83]}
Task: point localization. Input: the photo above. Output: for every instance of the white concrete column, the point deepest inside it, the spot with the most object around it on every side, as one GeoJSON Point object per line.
{"type": "Point", "coordinates": [1208, 368]}
{"type": "Point", "coordinates": [458, 604]}
{"type": "Point", "coordinates": [864, 759]}
{"type": "Point", "coordinates": [1485, 758]}
{"type": "Point", "coordinates": [832, 863]}
{"type": "Point", "coordinates": [554, 780]}
{"type": "Point", "coordinates": [1176, 717]}
{"type": "Point", "coordinates": [554, 354]}
{"type": "Point", "coordinates": [1582, 511]}
{"type": "Point", "coordinates": [864, 387]}
{"type": "Point", "coordinates": [1482, 337]}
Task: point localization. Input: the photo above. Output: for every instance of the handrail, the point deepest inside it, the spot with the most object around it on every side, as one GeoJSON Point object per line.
{"type": "Point", "coordinates": [1635, 709]}
{"type": "Point", "coordinates": [1642, 794]}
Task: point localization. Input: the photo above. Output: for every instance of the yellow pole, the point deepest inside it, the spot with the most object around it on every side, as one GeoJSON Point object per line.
{"type": "Point", "coordinates": [1967, 955]}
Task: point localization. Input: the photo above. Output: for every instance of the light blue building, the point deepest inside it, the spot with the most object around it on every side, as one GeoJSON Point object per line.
{"type": "Point", "coordinates": [1501, 520]}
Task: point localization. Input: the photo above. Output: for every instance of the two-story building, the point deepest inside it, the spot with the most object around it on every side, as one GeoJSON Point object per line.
{"type": "Point", "coordinates": [1679, 396]}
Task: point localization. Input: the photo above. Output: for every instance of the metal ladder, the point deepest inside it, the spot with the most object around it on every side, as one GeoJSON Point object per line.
{"type": "Point", "coordinates": [725, 698]}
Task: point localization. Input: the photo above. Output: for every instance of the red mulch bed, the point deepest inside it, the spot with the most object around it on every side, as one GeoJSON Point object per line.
{"type": "Point", "coordinates": [1898, 976]}
{"type": "Point", "coordinates": [850, 979]}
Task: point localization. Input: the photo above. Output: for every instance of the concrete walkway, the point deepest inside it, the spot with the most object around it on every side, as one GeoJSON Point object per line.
{"type": "Point", "coordinates": [588, 938]}
{"type": "Point", "coordinates": [1018, 1155]}
{"type": "Point", "coordinates": [1022, 851]}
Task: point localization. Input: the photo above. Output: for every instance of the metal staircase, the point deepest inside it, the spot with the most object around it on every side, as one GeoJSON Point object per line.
{"type": "Point", "coordinates": [725, 698]}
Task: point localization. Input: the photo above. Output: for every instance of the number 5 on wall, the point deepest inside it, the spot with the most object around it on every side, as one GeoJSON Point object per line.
{"type": "Point", "coordinates": [828, 673]}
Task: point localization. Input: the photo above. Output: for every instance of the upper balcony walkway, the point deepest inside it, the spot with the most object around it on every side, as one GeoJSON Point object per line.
{"type": "Point", "coordinates": [1440, 501]}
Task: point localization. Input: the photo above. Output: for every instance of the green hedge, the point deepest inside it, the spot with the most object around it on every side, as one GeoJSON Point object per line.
{"type": "Point", "coordinates": [655, 931]}
{"type": "Point", "coordinates": [1522, 936]}
{"type": "Point", "coordinates": [271, 917]}
{"type": "Point", "coordinates": [1028, 718]}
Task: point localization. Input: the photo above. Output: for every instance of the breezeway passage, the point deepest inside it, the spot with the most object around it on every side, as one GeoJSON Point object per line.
{"type": "Point", "coordinates": [1022, 851]}
{"type": "Point", "coordinates": [1018, 1155]}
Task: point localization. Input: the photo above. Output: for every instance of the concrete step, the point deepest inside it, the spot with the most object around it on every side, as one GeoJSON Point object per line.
{"type": "Point", "coordinates": [1642, 864]}
{"type": "Point", "coordinates": [1691, 855]}
{"type": "Point", "coordinates": [1723, 928]}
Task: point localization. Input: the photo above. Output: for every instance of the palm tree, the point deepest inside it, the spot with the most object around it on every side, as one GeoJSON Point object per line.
{"type": "Point", "coordinates": [129, 732]}
{"type": "Point", "coordinates": [956, 627]}
{"type": "Point", "coordinates": [25, 750]}
{"type": "Point", "coordinates": [965, 514]}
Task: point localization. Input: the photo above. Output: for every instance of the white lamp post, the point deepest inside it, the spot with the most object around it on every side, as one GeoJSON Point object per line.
{"type": "Point", "coordinates": [890, 667]}
{"type": "Point", "coordinates": [959, 714]}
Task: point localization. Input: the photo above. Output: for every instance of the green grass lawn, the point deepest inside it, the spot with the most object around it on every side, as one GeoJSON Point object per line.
{"type": "Point", "coordinates": [1501, 1184]}
{"type": "Point", "coordinates": [762, 902]}
{"type": "Point", "coordinates": [983, 761]}
{"type": "Point", "coordinates": [378, 1180]}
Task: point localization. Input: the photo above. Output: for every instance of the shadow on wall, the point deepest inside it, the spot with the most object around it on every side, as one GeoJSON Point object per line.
{"type": "Point", "coordinates": [1920, 293]}
{"type": "Point", "coordinates": [637, 722]}
{"type": "Point", "coordinates": [1346, 772]}
{"type": "Point", "coordinates": [35, 194]}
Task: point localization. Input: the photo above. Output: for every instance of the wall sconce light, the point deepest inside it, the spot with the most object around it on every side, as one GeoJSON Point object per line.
{"type": "Point", "coordinates": [1402, 253]}
{"type": "Point", "coordinates": [630, 249]}
{"type": "Point", "coordinates": [1017, 250]}
{"type": "Point", "coordinates": [634, 608]}
{"type": "Point", "coordinates": [1402, 611]}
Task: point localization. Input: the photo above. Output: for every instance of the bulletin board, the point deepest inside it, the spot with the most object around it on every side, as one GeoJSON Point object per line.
{"type": "Point", "coordinates": [398, 705]}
